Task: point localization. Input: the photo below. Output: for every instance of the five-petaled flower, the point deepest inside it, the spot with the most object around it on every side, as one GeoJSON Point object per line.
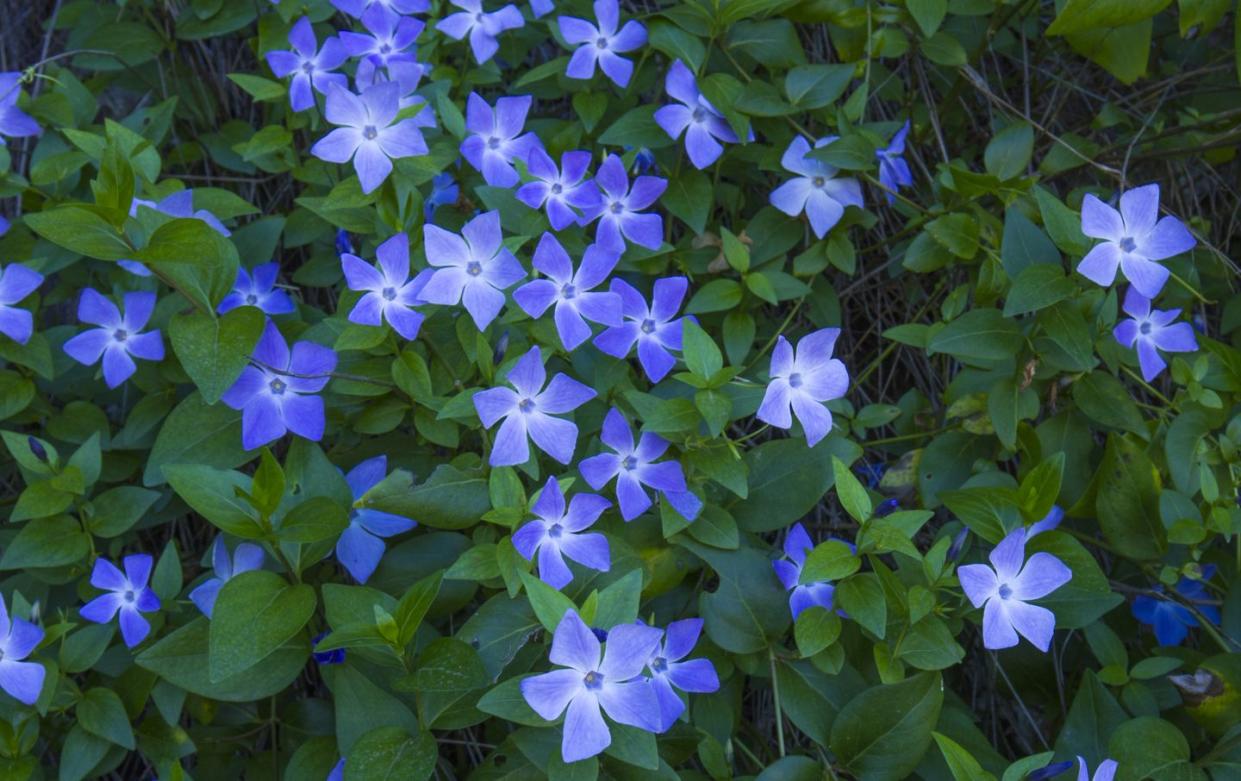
{"type": "Point", "coordinates": [815, 191]}
{"type": "Point", "coordinates": [528, 412]}
{"type": "Point", "coordinates": [389, 292]}
{"type": "Point", "coordinates": [590, 682]}
{"type": "Point", "coordinates": [556, 533]}
{"type": "Point", "coordinates": [309, 65]}
{"type": "Point", "coordinates": [17, 282]}
{"type": "Point", "coordinates": [118, 339]}
{"type": "Point", "coordinates": [670, 670]}
{"type": "Point", "coordinates": [636, 468]}
{"type": "Point", "coordinates": [245, 558]}
{"type": "Point", "coordinates": [481, 26]}
{"type": "Point", "coordinates": [797, 545]}
{"type": "Point", "coordinates": [619, 210]}
{"type": "Point", "coordinates": [385, 47]}
{"type": "Point", "coordinates": [276, 392]}
{"type": "Point", "coordinates": [703, 125]}
{"type": "Point", "coordinates": [1005, 588]}
{"type": "Point", "coordinates": [1134, 238]}
{"type": "Point", "coordinates": [495, 139]}
{"type": "Point", "coordinates": [602, 44]}
{"type": "Point", "coordinates": [361, 544]}
{"type": "Point", "coordinates": [368, 135]}
{"type": "Point", "coordinates": [571, 291]}
{"type": "Point", "coordinates": [125, 592]}
{"type": "Point", "coordinates": [656, 329]}
{"type": "Point", "coordinates": [894, 172]}
{"type": "Point", "coordinates": [564, 192]}
{"type": "Point", "coordinates": [258, 289]}
{"type": "Point", "coordinates": [18, 638]}
{"type": "Point", "coordinates": [14, 122]}
{"type": "Point", "coordinates": [472, 268]}
{"type": "Point", "coordinates": [1151, 330]}
{"type": "Point", "coordinates": [801, 381]}
{"type": "Point", "coordinates": [1172, 620]}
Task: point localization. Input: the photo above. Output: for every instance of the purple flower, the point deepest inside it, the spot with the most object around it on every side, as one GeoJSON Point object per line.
{"type": "Point", "coordinates": [18, 638]}
{"type": "Point", "coordinates": [14, 122]}
{"type": "Point", "coordinates": [274, 393]}
{"type": "Point", "coordinates": [541, 8]}
{"type": "Point", "coordinates": [585, 684]}
{"type": "Point", "coordinates": [361, 544]}
{"type": "Point", "coordinates": [126, 592]}
{"type": "Point", "coordinates": [472, 268]}
{"type": "Point", "coordinates": [814, 191]}
{"type": "Point", "coordinates": [819, 594]}
{"type": "Point", "coordinates": [1172, 621]}
{"type": "Point", "coordinates": [1106, 771]}
{"type": "Point", "coordinates": [390, 36]}
{"type": "Point", "coordinates": [529, 411]}
{"type": "Point", "coordinates": [480, 26]}
{"type": "Point", "coordinates": [368, 135]}
{"type": "Point", "coordinates": [245, 558]}
{"type": "Point", "coordinates": [390, 294]}
{"type": "Point", "coordinates": [571, 291]}
{"type": "Point", "coordinates": [496, 139]}
{"type": "Point", "coordinates": [669, 672]}
{"type": "Point", "coordinates": [358, 8]}
{"type": "Point", "coordinates": [310, 65]}
{"type": "Point", "coordinates": [1134, 239]}
{"type": "Point", "coordinates": [338, 771]}
{"type": "Point", "coordinates": [258, 289]}
{"type": "Point", "coordinates": [564, 192]}
{"type": "Point", "coordinates": [802, 382]}
{"type": "Point", "coordinates": [656, 329]}
{"type": "Point", "coordinates": [1047, 523]}
{"type": "Point", "coordinates": [556, 533]}
{"type": "Point", "coordinates": [4, 225]}
{"type": "Point", "coordinates": [118, 337]}
{"type": "Point", "coordinates": [701, 122]}
{"type": "Point", "coordinates": [1152, 330]}
{"type": "Point", "coordinates": [17, 282]}
{"type": "Point", "coordinates": [601, 44]}
{"type": "Point", "coordinates": [894, 172]}
{"type": "Point", "coordinates": [444, 192]}
{"type": "Point", "coordinates": [1004, 589]}
{"type": "Point", "coordinates": [619, 210]}
{"type": "Point", "coordinates": [633, 467]}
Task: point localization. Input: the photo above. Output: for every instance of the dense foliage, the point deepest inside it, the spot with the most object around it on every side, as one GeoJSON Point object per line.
{"type": "Point", "coordinates": [789, 389]}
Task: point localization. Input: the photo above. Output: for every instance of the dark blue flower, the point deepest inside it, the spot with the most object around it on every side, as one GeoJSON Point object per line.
{"type": "Point", "coordinates": [1172, 621]}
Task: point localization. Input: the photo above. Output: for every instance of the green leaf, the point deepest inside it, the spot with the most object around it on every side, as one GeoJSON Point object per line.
{"type": "Point", "coordinates": [883, 732]}
{"type": "Point", "coordinates": [449, 499]}
{"type": "Point", "coordinates": [213, 351]}
{"type": "Point", "coordinates": [181, 658]}
{"type": "Point", "coordinates": [702, 356]}
{"type": "Point", "coordinates": [978, 336]}
{"type": "Point", "coordinates": [929, 14]}
{"type": "Point", "coordinates": [449, 665]}
{"type": "Point", "coordinates": [690, 198]}
{"type": "Point", "coordinates": [861, 597]}
{"type": "Point", "coordinates": [957, 233]}
{"type": "Point", "coordinates": [415, 603]}
{"type": "Point", "coordinates": [1106, 401]}
{"type": "Point", "coordinates": [1127, 503]}
{"type": "Point", "coordinates": [850, 492]}
{"type": "Point", "coordinates": [1037, 286]}
{"type": "Point", "coordinates": [1024, 244]}
{"type": "Point", "coordinates": [718, 295]}
{"type": "Point", "coordinates": [636, 128]}
{"type": "Point", "coordinates": [1080, 15]}
{"type": "Point", "coordinates": [787, 480]}
{"type": "Point", "coordinates": [192, 257]}
{"type": "Point", "coordinates": [816, 629]}
{"type": "Point", "coordinates": [316, 519]}
{"type": "Point", "coordinates": [257, 87]}
{"type": "Point", "coordinates": [1008, 154]}
{"type": "Point", "coordinates": [676, 43]}
{"type": "Point", "coordinates": [255, 614]}
{"type": "Point", "coordinates": [815, 86]}
{"type": "Point", "coordinates": [391, 753]}
{"type": "Point", "coordinates": [548, 603]}
{"type": "Point", "coordinates": [80, 230]}
{"type": "Point", "coordinates": [213, 494]}
{"type": "Point", "coordinates": [1154, 748]}
{"type": "Point", "coordinates": [117, 509]}
{"type": "Point", "coordinates": [830, 560]}
{"type": "Point", "coordinates": [748, 608]}
{"type": "Point", "coordinates": [854, 152]}
{"type": "Point", "coordinates": [197, 432]}
{"type": "Point", "coordinates": [46, 542]}
{"type": "Point", "coordinates": [961, 762]}
{"type": "Point", "coordinates": [101, 713]}
{"type": "Point", "coordinates": [944, 49]}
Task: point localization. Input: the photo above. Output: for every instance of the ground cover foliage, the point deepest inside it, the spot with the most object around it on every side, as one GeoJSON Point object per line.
{"type": "Point", "coordinates": [791, 389]}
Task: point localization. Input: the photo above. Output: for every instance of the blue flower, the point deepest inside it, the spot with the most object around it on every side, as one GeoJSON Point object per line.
{"type": "Point", "coordinates": [1172, 621]}
{"type": "Point", "coordinates": [361, 545]}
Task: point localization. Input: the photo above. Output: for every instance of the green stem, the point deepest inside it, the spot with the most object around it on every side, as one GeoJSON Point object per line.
{"type": "Point", "coordinates": [775, 694]}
